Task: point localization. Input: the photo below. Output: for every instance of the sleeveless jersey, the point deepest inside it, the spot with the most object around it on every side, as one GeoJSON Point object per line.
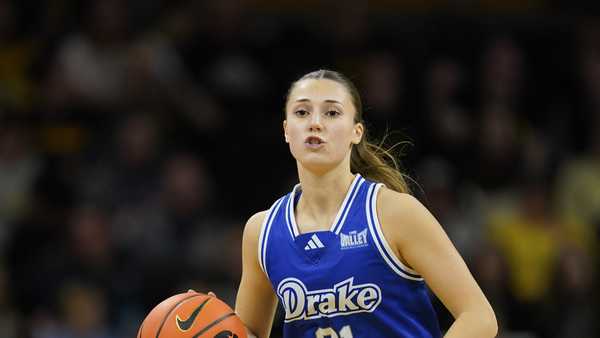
{"type": "Point", "coordinates": [345, 282]}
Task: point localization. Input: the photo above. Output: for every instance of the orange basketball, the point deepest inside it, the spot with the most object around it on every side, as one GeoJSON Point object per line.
{"type": "Point", "coordinates": [192, 315]}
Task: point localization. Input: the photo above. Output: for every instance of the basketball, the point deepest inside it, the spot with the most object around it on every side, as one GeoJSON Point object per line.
{"type": "Point", "coordinates": [192, 315]}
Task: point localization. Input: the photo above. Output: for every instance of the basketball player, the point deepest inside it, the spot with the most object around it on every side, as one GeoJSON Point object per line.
{"type": "Point", "coordinates": [348, 252]}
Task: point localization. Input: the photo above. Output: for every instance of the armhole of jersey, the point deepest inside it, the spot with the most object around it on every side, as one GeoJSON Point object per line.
{"type": "Point", "coordinates": [381, 243]}
{"type": "Point", "coordinates": [263, 238]}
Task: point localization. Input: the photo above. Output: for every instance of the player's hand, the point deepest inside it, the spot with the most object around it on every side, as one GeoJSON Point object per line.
{"type": "Point", "coordinates": [210, 293]}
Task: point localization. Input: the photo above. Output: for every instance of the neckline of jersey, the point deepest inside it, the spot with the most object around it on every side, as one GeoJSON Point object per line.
{"type": "Point", "coordinates": [340, 217]}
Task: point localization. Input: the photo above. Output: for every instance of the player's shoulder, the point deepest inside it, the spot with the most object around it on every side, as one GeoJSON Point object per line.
{"type": "Point", "coordinates": [393, 202]}
{"type": "Point", "coordinates": [402, 211]}
{"type": "Point", "coordinates": [254, 224]}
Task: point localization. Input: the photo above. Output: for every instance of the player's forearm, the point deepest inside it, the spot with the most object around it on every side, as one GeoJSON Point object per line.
{"type": "Point", "coordinates": [473, 325]}
{"type": "Point", "coordinates": [261, 330]}
{"type": "Point", "coordinates": [250, 334]}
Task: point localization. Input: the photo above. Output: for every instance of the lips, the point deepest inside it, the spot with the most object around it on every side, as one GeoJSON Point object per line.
{"type": "Point", "coordinates": [314, 142]}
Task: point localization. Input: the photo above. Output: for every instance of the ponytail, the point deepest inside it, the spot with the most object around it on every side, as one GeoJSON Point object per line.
{"type": "Point", "coordinates": [379, 163]}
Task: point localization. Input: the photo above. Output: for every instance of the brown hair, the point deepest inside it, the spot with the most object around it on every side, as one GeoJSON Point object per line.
{"type": "Point", "coordinates": [372, 160]}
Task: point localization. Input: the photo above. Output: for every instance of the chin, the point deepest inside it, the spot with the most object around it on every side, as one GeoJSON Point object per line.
{"type": "Point", "coordinates": [318, 165]}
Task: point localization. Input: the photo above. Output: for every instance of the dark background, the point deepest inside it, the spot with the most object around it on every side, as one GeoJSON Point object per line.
{"type": "Point", "coordinates": [136, 138]}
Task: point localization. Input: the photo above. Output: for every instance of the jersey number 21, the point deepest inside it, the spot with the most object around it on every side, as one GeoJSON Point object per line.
{"type": "Point", "coordinates": [329, 332]}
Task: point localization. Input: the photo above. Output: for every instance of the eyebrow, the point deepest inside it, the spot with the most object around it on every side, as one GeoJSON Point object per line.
{"type": "Point", "coordinates": [328, 101]}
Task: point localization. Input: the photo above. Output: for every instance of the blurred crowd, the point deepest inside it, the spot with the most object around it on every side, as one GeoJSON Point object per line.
{"type": "Point", "coordinates": [136, 137]}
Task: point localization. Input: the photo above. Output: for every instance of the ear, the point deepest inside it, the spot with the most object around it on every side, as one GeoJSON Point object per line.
{"type": "Point", "coordinates": [359, 130]}
{"type": "Point", "coordinates": [285, 131]}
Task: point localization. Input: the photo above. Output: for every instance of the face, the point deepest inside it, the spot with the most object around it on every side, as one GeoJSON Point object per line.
{"type": "Point", "coordinates": [319, 125]}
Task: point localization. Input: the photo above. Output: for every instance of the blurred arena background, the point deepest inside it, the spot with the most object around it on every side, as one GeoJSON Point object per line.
{"type": "Point", "coordinates": [136, 137]}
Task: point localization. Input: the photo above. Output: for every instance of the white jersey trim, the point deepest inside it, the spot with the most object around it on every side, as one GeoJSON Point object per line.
{"type": "Point", "coordinates": [340, 217]}
{"type": "Point", "coordinates": [263, 238]}
{"type": "Point", "coordinates": [337, 227]}
{"type": "Point", "coordinates": [380, 241]}
{"type": "Point", "coordinates": [290, 215]}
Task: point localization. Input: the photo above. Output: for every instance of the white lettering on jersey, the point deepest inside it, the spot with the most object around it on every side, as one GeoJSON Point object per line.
{"type": "Point", "coordinates": [344, 299]}
{"type": "Point", "coordinates": [353, 239]}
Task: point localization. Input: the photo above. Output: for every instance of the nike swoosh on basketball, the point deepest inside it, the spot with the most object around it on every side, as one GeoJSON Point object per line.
{"type": "Point", "coordinates": [185, 325]}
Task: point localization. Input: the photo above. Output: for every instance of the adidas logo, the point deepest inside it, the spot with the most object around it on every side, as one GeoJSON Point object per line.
{"type": "Point", "coordinates": [314, 243]}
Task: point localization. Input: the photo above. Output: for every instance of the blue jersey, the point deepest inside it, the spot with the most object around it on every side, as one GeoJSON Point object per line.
{"type": "Point", "coordinates": [344, 282]}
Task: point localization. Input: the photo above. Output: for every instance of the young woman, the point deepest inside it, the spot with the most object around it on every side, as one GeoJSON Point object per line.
{"type": "Point", "coordinates": [349, 253]}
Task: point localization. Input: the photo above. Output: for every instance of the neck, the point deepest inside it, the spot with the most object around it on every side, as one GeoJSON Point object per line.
{"type": "Point", "coordinates": [323, 193]}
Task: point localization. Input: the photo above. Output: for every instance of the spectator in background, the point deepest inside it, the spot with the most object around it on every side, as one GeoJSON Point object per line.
{"type": "Point", "coordinates": [35, 254]}
{"type": "Point", "coordinates": [92, 62]}
{"type": "Point", "coordinates": [186, 193]}
{"type": "Point", "coordinates": [91, 253]}
{"type": "Point", "coordinates": [500, 127]}
{"type": "Point", "coordinates": [490, 271]}
{"type": "Point", "coordinates": [451, 201]}
{"type": "Point", "coordinates": [93, 256]}
{"type": "Point", "coordinates": [576, 292]}
{"type": "Point", "coordinates": [126, 178]}
{"type": "Point", "coordinates": [16, 58]}
{"type": "Point", "coordinates": [9, 319]}
{"type": "Point", "coordinates": [157, 76]}
{"type": "Point", "coordinates": [529, 242]}
{"type": "Point", "coordinates": [503, 74]}
{"type": "Point", "coordinates": [448, 127]}
{"type": "Point", "coordinates": [382, 77]}
{"type": "Point", "coordinates": [588, 69]}
{"type": "Point", "coordinates": [127, 170]}
{"type": "Point", "coordinates": [578, 190]}
{"type": "Point", "coordinates": [498, 138]}
{"type": "Point", "coordinates": [19, 168]}
{"type": "Point", "coordinates": [187, 199]}
{"type": "Point", "coordinates": [83, 314]}
{"type": "Point", "coordinates": [578, 204]}
{"type": "Point", "coordinates": [175, 225]}
{"type": "Point", "coordinates": [346, 27]}
{"type": "Point", "coordinates": [232, 71]}
{"type": "Point", "coordinates": [219, 238]}
{"type": "Point", "coordinates": [448, 198]}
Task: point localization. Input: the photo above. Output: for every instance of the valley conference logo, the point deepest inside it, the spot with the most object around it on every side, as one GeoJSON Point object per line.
{"type": "Point", "coordinates": [344, 299]}
{"type": "Point", "coordinates": [353, 239]}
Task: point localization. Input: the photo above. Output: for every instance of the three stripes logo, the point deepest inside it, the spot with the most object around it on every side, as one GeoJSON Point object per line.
{"type": "Point", "coordinates": [314, 243]}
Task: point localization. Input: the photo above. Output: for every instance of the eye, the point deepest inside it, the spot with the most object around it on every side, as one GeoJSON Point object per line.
{"type": "Point", "coordinates": [301, 112]}
{"type": "Point", "coordinates": [332, 113]}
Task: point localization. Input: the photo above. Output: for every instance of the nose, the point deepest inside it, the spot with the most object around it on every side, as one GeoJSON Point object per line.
{"type": "Point", "coordinates": [315, 122]}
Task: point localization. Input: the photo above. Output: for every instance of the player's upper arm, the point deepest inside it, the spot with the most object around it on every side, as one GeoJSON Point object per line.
{"type": "Point", "coordinates": [256, 302]}
{"type": "Point", "coordinates": [419, 240]}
